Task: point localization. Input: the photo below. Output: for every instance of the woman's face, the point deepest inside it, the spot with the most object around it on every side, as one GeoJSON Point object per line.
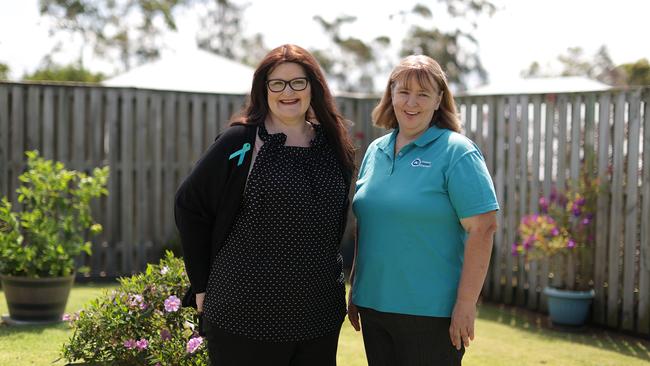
{"type": "Point", "coordinates": [414, 105]}
{"type": "Point", "coordinates": [288, 105]}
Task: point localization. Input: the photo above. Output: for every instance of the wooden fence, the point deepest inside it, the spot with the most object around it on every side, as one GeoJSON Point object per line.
{"type": "Point", "coordinates": [150, 139]}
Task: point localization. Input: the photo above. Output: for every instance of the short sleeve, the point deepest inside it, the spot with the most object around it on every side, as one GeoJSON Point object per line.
{"type": "Point", "coordinates": [470, 186]}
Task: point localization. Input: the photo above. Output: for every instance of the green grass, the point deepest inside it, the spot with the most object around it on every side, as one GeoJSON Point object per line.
{"type": "Point", "coordinates": [504, 336]}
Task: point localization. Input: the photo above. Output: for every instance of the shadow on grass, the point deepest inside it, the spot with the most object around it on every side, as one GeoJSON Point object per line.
{"type": "Point", "coordinates": [539, 324]}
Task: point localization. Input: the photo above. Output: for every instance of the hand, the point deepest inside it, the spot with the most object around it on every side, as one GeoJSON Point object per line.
{"type": "Point", "coordinates": [200, 297]}
{"type": "Point", "coordinates": [461, 330]}
{"type": "Point", "coordinates": [353, 314]}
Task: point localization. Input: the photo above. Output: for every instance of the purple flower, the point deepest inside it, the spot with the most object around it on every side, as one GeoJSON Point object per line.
{"type": "Point", "coordinates": [172, 304]}
{"type": "Point", "coordinates": [165, 334]}
{"type": "Point", "coordinates": [553, 195]}
{"type": "Point", "coordinates": [141, 344]}
{"type": "Point", "coordinates": [528, 243]}
{"type": "Point", "coordinates": [555, 231]}
{"type": "Point", "coordinates": [129, 344]}
{"type": "Point", "coordinates": [586, 221]}
{"type": "Point", "coordinates": [576, 210]}
{"type": "Point", "coordinates": [193, 344]}
{"type": "Point", "coordinates": [581, 201]}
{"type": "Point", "coordinates": [543, 205]}
{"type": "Point", "coordinates": [515, 249]}
{"type": "Point", "coordinates": [571, 244]}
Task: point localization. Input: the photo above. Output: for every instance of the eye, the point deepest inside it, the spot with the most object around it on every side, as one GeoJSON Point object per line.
{"type": "Point", "coordinates": [276, 84]}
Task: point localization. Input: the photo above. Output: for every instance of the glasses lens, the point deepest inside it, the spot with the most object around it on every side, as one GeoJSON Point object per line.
{"type": "Point", "coordinates": [298, 84]}
{"type": "Point", "coordinates": [276, 85]}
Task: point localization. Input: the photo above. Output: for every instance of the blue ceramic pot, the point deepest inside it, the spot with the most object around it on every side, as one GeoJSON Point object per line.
{"type": "Point", "coordinates": [568, 307]}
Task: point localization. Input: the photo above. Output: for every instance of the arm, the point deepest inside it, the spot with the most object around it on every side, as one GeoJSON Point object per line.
{"type": "Point", "coordinates": [478, 247]}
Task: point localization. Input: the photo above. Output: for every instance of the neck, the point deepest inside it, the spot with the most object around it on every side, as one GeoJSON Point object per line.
{"type": "Point", "coordinates": [406, 137]}
{"type": "Point", "coordinates": [298, 132]}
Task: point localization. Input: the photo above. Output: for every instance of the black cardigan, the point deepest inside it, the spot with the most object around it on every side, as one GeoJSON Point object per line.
{"type": "Point", "coordinates": [208, 200]}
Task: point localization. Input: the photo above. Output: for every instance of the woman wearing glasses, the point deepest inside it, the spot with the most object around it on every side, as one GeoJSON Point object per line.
{"type": "Point", "coordinates": [261, 217]}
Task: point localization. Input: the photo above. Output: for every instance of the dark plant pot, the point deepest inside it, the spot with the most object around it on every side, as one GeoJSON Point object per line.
{"type": "Point", "coordinates": [567, 307]}
{"type": "Point", "coordinates": [36, 299]}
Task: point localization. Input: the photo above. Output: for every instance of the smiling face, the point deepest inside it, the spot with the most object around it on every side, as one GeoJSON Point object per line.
{"type": "Point", "coordinates": [288, 106]}
{"type": "Point", "coordinates": [414, 105]}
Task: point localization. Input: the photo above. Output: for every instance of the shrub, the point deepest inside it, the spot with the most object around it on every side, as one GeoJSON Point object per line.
{"type": "Point", "coordinates": [51, 229]}
{"type": "Point", "coordinates": [139, 323]}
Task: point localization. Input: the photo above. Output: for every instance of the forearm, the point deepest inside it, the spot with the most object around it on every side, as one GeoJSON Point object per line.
{"type": "Point", "coordinates": [478, 249]}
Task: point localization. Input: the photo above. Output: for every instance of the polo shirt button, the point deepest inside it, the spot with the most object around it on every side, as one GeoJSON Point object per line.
{"type": "Point", "coordinates": [400, 153]}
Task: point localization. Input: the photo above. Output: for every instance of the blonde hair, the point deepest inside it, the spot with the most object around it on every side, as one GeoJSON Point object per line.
{"type": "Point", "coordinates": [428, 73]}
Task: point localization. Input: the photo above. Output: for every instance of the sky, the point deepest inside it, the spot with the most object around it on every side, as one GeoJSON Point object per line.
{"type": "Point", "coordinates": [520, 32]}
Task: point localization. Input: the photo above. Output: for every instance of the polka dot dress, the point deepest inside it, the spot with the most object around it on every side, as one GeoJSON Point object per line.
{"type": "Point", "coordinates": [279, 274]}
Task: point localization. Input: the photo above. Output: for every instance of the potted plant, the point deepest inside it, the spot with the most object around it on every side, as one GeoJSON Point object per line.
{"type": "Point", "coordinates": [39, 242]}
{"type": "Point", "coordinates": [564, 228]}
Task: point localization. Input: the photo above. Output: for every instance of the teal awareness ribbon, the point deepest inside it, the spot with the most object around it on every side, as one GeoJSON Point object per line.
{"type": "Point", "coordinates": [241, 153]}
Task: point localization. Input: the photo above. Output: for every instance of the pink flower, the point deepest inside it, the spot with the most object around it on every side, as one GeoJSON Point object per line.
{"type": "Point", "coordinates": [66, 317]}
{"type": "Point", "coordinates": [571, 244]}
{"type": "Point", "coordinates": [555, 231]}
{"type": "Point", "coordinates": [543, 205]}
{"type": "Point", "coordinates": [193, 344]}
{"type": "Point", "coordinates": [141, 344]}
{"type": "Point", "coordinates": [586, 221]}
{"type": "Point", "coordinates": [136, 301]}
{"type": "Point", "coordinates": [515, 249]}
{"type": "Point", "coordinates": [172, 304]}
{"type": "Point", "coordinates": [129, 344]}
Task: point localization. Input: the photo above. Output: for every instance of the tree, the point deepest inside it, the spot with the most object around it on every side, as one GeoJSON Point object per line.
{"type": "Point", "coordinates": [637, 73]}
{"type": "Point", "coordinates": [351, 62]}
{"type": "Point", "coordinates": [72, 72]}
{"type": "Point", "coordinates": [4, 71]}
{"type": "Point", "coordinates": [129, 31]}
{"type": "Point", "coordinates": [222, 33]}
{"type": "Point", "coordinates": [455, 49]}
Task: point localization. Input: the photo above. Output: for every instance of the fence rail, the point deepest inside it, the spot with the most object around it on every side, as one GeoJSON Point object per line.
{"type": "Point", "coordinates": [150, 139]}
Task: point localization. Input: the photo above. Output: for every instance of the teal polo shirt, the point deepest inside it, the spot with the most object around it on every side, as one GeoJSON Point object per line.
{"type": "Point", "coordinates": [408, 208]}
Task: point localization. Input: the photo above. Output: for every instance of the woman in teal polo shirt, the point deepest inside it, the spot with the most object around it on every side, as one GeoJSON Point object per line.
{"type": "Point", "coordinates": [426, 215]}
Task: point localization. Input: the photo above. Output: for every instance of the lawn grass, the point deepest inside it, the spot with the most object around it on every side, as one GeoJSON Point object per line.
{"type": "Point", "coordinates": [504, 336]}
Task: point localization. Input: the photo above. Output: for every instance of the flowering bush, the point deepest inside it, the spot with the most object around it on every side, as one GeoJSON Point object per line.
{"type": "Point", "coordinates": [563, 228]}
{"type": "Point", "coordinates": [139, 323]}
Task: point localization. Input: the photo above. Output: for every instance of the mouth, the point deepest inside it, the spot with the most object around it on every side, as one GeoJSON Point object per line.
{"type": "Point", "coordinates": [289, 101]}
{"type": "Point", "coordinates": [411, 113]}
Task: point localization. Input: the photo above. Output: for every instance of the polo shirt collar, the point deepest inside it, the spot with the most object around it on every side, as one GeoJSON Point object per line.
{"type": "Point", "coordinates": [430, 135]}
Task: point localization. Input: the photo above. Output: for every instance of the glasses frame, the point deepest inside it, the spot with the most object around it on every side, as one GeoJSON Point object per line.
{"type": "Point", "coordinates": [287, 82]}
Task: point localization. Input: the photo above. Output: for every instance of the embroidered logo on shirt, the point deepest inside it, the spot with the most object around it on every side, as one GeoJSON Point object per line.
{"type": "Point", "coordinates": [241, 153]}
{"type": "Point", "coordinates": [419, 163]}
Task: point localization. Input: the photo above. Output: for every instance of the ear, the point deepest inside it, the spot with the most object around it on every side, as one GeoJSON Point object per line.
{"type": "Point", "coordinates": [439, 99]}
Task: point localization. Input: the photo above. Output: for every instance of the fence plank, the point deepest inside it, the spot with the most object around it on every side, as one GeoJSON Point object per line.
{"type": "Point", "coordinates": [49, 137]}
{"type": "Point", "coordinates": [141, 178]}
{"type": "Point", "coordinates": [522, 283]}
{"type": "Point", "coordinates": [95, 124]}
{"type": "Point", "coordinates": [17, 139]}
{"type": "Point", "coordinates": [600, 261]}
{"type": "Point", "coordinates": [533, 272]}
{"type": "Point", "coordinates": [114, 202]}
{"type": "Point", "coordinates": [615, 215]}
{"type": "Point", "coordinates": [157, 219]}
{"type": "Point", "coordinates": [33, 127]}
{"type": "Point", "coordinates": [631, 211]}
{"type": "Point", "coordinates": [548, 173]}
{"type": "Point", "coordinates": [79, 128]}
{"type": "Point", "coordinates": [127, 186]}
{"type": "Point", "coordinates": [501, 248]}
{"type": "Point", "coordinates": [171, 168]}
{"type": "Point", "coordinates": [511, 191]}
{"type": "Point", "coordinates": [643, 307]}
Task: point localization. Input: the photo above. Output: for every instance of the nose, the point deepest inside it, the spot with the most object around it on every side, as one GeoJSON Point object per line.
{"type": "Point", "coordinates": [411, 100]}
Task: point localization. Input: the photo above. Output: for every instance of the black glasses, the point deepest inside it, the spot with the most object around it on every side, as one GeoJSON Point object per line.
{"type": "Point", "coordinates": [278, 85]}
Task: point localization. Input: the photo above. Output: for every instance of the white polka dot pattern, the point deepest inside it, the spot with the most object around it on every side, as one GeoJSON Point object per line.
{"type": "Point", "coordinates": [279, 274]}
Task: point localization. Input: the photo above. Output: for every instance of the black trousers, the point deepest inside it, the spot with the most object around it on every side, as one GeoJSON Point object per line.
{"type": "Point", "coordinates": [226, 349]}
{"type": "Point", "coordinates": [407, 340]}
